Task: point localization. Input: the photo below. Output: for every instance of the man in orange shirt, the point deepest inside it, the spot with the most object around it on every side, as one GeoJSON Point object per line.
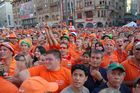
{"type": "Point", "coordinates": [52, 71]}
{"type": "Point", "coordinates": [120, 52]}
{"type": "Point", "coordinates": [7, 52]}
{"type": "Point", "coordinates": [109, 55]}
{"type": "Point", "coordinates": [67, 59]}
{"type": "Point", "coordinates": [132, 66]}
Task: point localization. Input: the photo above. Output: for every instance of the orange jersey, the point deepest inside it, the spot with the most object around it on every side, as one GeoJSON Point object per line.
{"type": "Point", "coordinates": [122, 56]}
{"type": "Point", "coordinates": [62, 76]}
{"type": "Point", "coordinates": [11, 67]}
{"type": "Point", "coordinates": [108, 59]}
{"type": "Point", "coordinates": [68, 62]}
{"type": "Point", "coordinates": [132, 70]}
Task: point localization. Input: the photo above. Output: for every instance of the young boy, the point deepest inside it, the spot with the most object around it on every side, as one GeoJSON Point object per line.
{"type": "Point", "coordinates": [79, 76]}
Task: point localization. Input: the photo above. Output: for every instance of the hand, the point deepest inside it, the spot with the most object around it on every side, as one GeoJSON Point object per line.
{"type": "Point", "coordinates": [10, 78]}
{"type": "Point", "coordinates": [96, 74]}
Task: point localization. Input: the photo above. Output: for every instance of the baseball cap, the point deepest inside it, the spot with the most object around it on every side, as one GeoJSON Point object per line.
{"type": "Point", "coordinates": [37, 85]}
{"type": "Point", "coordinates": [65, 36]}
{"type": "Point", "coordinates": [116, 65]}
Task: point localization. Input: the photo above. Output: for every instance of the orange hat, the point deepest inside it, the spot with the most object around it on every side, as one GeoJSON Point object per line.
{"type": "Point", "coordinates": [9, 45]}
{"type": "Point", "coordinates": [37, 85]}
{"type": "Point", "coordinates": [65, 32]}
{"type": "Point", "coordinates": [93, 35]}
{"type": "Point", "coordinates": [12, 35]}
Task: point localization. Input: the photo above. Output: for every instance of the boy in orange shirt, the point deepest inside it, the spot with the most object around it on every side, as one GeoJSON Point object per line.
{"type": "Point", "coordinates": [51, 71]}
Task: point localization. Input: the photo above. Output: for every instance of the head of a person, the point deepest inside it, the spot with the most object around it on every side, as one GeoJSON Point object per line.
{"type": "Point", "coordinates": [52, 59]}
{"type": "Point", "coordinates": [41, 39]}
{"type": "Point", "coordinates": [130, 37]}
{"type": "Point", "coordinates": [7, 50]}
{"type": "Point", "coordinates": [115, 75]}
{"type": "Point", "coordinates": [85, 58]}
{"type": "Point", "coordinates": [96, 58]}
{"type": "Point", "coordinates": [99, 46]}
{"type": "Point", "coordinates": [35, 40]}
{"type": "Point", "coordinates": [39, 50]}
{"type": "Point", "coordinates": [37, 85]}
{"type": "Point", "coordinates": [119, 43]}
{"type": "Point", "coordinates": [20, 61]}
{"type": "Point", "coordinates": [64, 49]}
{"type": "Point", "coordinates": [79, 42]}
{"type": "Point", "coordinates": [109, 46]}
{"type": "Point", "coordinates": [73, 36]}
{"type": "Point", "coordinates": [79, 75]}
{"type": "Point", "coordinates": [136, 51]}
{"type": "Point", "coordinates": [25, 44]}
{"type": "Point", "coordinates": [65, 38]}
{"type": "Point", "coordinates": [56, 35]}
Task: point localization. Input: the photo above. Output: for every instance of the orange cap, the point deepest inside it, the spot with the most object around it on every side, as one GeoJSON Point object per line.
{"type": "Point", "coordinates": [12, 35]}
{"type": "Point", "coordinates": [37, 85]}
{"type": "Point", "coordinates": [93, 35]}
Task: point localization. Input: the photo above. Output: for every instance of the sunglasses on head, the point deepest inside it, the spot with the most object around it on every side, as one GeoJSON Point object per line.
{"type": "Point", "coordinates": [136, 40]}
{"type": "Point", "coordinates": [138, 49]}
{"type": "Point", "coordinates": [63, 47]}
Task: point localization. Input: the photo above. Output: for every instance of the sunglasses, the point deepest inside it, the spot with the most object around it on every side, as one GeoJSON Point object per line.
{"type": "Point", "coordinates": [138, 49]}
{"type": "Point", "coordinates": [63, 47]}
{"type": "Point", "coordinates": [136, 40]}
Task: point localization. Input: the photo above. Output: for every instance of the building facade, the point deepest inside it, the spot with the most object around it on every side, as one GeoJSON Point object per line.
{"type": "Point", "coordinates": [6, 14]}
{"type": "Point", "coordinates": [24, 12]}
{"type": "Point", "coordinates": [99, 12]}
{"type": "Point", "coordinates": [81, 13]}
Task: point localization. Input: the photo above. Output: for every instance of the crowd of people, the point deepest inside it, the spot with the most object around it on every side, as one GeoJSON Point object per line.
{"type": "Point", "coordinates": [59, 60]}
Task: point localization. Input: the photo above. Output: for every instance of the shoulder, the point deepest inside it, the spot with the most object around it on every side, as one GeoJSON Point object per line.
{"type": "Point", "coordinates": [85, 90]}
{"type": "Point", "coordinates": [7, 87]}
{"type": "Point", "coordinates": [38, 67]}
{"type": "Point", "coordinates": [127, 62]}
{"type": "Point", "coordinates": [102, 86]}
{"type": "Point", "coordinates": [66, 90]}
{"type": "Point", "coordinates": [125, 89]}
{"type": "Point", "coordinates": [65, 70]}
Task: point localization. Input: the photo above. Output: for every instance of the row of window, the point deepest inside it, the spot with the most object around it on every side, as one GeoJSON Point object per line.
{"type": "Point", "coordinates": [89, 14]}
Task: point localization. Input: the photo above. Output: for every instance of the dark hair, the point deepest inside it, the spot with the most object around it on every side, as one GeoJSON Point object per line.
{"type": "Point", "coordinates": [18, 56]}
{"type": "Point", "coordinates": [41, 49]}
{"type": "Point", "coordinates": [100, 44]}
{"type": "Point", "coordinates": [81, 67]}
{"type": "Point", "coordinates": [86, 53]}
{"type": "Point", "coordinates": [55, 52]}
{"type": "Point", "coordinates": [97, 52]}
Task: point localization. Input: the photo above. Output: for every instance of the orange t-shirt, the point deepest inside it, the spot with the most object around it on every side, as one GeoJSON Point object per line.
{"type": "Point", "coordinates": [62, 76]}
{"type": "Point", "coordinates": [68, 62]}
{"type": "Point", "coordinates": [122, 56]}
{"type": "Point", "coordinates": [129, 47]}
{"type": "Point", "coordinates": [107, 60]}
{"type": "Point", "coordinates": [12, 67]}
{"type": "Point", "coordinates": [132, 70]}
{"type": "Point", "coordinates": [7, 87]}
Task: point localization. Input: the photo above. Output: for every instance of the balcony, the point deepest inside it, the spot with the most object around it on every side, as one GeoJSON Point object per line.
{"type": "Point", "coordinates": [101, 7]}
{"type": "Point", "coordinates": [54, 4]}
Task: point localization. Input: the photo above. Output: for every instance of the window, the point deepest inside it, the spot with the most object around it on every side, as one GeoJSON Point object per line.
{"type": "Point", "coordinates": [89, 14]}
{"type": "Point", "coordinates": [98, 13]}
{"type": "Point", "coordinates": [9, 20]}
{"type": "Point", "coordinates": [79, 16]}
